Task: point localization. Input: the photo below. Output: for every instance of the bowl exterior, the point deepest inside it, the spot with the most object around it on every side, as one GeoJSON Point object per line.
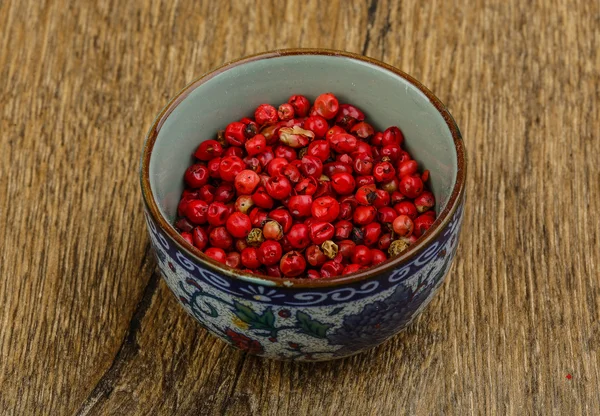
{"type": "Point", "coordinates": [313, 324]}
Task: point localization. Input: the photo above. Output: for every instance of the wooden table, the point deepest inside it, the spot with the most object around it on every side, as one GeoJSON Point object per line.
{"type": "Point", "coordinates": [87, 325]}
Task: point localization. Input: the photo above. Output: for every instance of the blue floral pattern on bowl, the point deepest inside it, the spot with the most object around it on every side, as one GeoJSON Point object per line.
{"type": "Point", "coordinates": [309, 324]}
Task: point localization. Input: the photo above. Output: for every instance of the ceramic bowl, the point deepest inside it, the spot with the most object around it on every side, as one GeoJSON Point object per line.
{"type": "Point", "coordinates": [301, 319]}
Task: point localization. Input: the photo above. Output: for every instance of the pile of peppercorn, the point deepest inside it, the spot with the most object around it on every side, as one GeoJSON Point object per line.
{"type": "Point", "coordinates": [303, 191]}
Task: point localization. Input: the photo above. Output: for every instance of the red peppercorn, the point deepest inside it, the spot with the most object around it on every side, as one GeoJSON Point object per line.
{"type": "Point", "coordinates": [343, 143]}
{"type": "Point", "coordinates": [301, 105]}
{"type": "Point", "coordinates": [324, 188]}
{"type": "Point", "coordinates": [197, 211]}
{"type": "Point", "coordinates": [292, 264]}
{"type": "Point", "coordinates": [225, 192]}
{"type": "Point", "coordinates": [209, 149]}
{"type": "Point", "coordinates": [266, 114]}
{"type": "Point", "coordinates": [397, 197]}
{"type": "Point", "coordinates": [343, 183]}
{"type": "Point", "coordinates": [181, 207]}
{"type": "Point", "coordinates": [403, 157]}
{"type": "Point", "coordinates": [320, 231]}
{"type": "Point", "coordinates": [377, 257]}
{"type": "Point", "coordinates": [318, 125]}
{"type": "Point", "coordinates": [217, 214]}
{"type": "Point", "coordinates": [362, 255]}
{"type": "Point", "coordinates": [234, 151]}
{"type": "Point", "coordinates": [424, 202]}
{"type": "Point", "coordinates": [196, 175]}
{"type": "Point", "coordinates": [183, 224]}
{"type": "Point", "coordinates": [411, 240]}
{"type": "Point", "coordinates": [285, 112]}
{"type": "Point", "coordinates": [207, 193]}
{"type": "Point", "coordinates": [343, 229]}
{"type": "Point", "coordinates": [300, 205]}
{"type": "Point", "coordinates": [377, 139]}
{"type": "Point", "coordinates": [250, 258]}
{"type": "Point", "coordinates": [217, 254]}
{"type": "Point", "coordinates": [403, 225]}
{"type": "Point", "coordinates": [422, 224]}
{"type": "Point", "coordinates": [292, 173]}
{"type": "Point", "coordinates": [269, 253]}
{"type": "Point", "coordinates": [285, 245]}
{"type": "Point", "coordinates": [220, 238]}
{"type": "Point", "coordinates": [315, 256]}
{"type": "Point", "coordinates": [199, 238]}
{"type": "Point", "coordinates": [258, 217]}
{"type": "Point", "coordinates": [392, 135]}
{"type": "Point", "coordinates": [326, 105]}
{"type": "Point", "coordinates": [273, 271]}
{"type": "Point", "coordinates": [246, 182]}
{"type": "Point", "coordinates": [233, 260]}
{"type": "Point", "coordinates": [239, 225]}
{"type": "Point", "coordinates": [262, 199]}
{"type": "Point", "coordinates": [243, 203]}
{"type": "Point", "coordinates": [363, 164]}
{"type": "Point", "coordinates": [313, 274]}
{"type": "Point", "coordinates": [331, 269]}
{"type": "Point", "coordinates": [235, 133]}
{"type": "Point", "coordinates": [382, 199]}
{"type": "Point", "coordinates": [364, 215]}
{"type": "Point", "coordinates": [346, 211]}
{"type": "Point", "coordinates": [330, 169]}
{"type": "Point", "coordinates": [265, 157]}
{"type": "Point", "coordinates": [411, 186]}
{"type": "Point", "coordinates": [407, 168]}
{"type": "Point", "coordinates": [319, 149]}
{"type": "Point", "coordinates": [363, 130]}
{"type": "Point", "coordinates": [256, 145]}
{"type": "Point", "coordinates": [187, 237]}
{"type": "Point", "coordinates": [371, 233]}
{"type": "Point", "coordinates": [285, 152]}
{"type": "Point", "coordinates": [384, 172]}
{"type": "Point", "coordinates": [351, 268]}
{"type": "Point", "coordinates": [345, 158]}
{"type": "Point", "coordinates": [384, 242]}
{"type": "Point", "coordinates": [365, 180]}
{"type": "Point", "coordinates": [276, 165]}
{"type": "Point", "coordinates": [214, 168]}
{"type": "Point", "coordinates": [346, 248]}
{"type": "Point", "coordinates": [425, 176]}
{"type": "Point", "coordinates": [278, 187]}
{"type": "Point", "coordinates": [325, 209]}
{"type": "Point", "coordinates": [365, 195]}
{"type": "Point", "coordinates": [272, 230]}
{"type": "Point", "coordinates": [311, 166]}
{"type": "Point", "coordinates": [333, 131]}
{"type": "Point", "coordinates": [299, 236]}
{"type": "Point", "coordinates": [406, 208]}
{"type": "Point", "coordinates": [230, 166]}
{"type": "Point", "coordinates": [347, 112]}
{"type": "Point", "coordinates": [283, 218]}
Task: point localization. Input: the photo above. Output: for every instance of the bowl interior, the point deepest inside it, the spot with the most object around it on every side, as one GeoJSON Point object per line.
{"type": "Point", "coordinates": [235, 91]}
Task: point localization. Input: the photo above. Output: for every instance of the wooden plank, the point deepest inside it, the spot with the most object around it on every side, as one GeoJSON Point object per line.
{"type": "Point", "coordinates": [88, 327]}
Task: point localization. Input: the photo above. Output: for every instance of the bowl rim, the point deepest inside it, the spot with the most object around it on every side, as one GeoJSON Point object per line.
{"type": "Point", "coordinates": [299, 283]}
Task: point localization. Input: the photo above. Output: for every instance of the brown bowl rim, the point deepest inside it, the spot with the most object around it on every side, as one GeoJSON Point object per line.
{"type": "Point", "coordinates": [429, 236]}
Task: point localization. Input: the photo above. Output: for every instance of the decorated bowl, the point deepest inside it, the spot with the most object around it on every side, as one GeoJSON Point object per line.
{"type": "Point", "coordinates": [293, 318]}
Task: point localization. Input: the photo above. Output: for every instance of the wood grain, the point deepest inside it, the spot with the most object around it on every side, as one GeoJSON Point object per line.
{"type": "Point", "coordinates": [86, 324]}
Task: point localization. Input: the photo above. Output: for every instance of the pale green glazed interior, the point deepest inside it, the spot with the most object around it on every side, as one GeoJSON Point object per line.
{"type": "Point", "coordinates": [386, 98]}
